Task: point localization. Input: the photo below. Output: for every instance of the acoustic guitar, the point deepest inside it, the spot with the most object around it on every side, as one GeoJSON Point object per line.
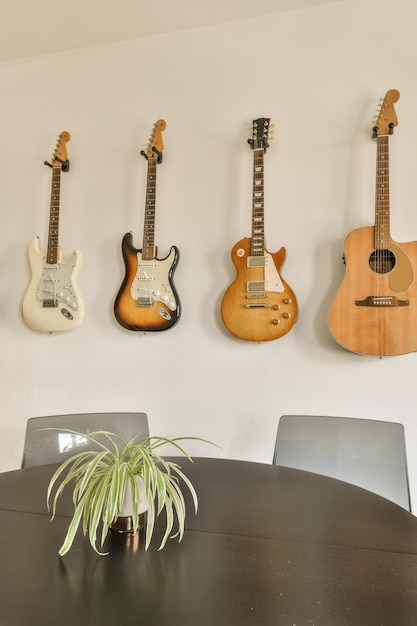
{"type": "Point", "coordinates": [375, 309]}
{"type": "Point", "coordinates": [147, 299]}
{"type": "Point", "coordinates": [259, 305]}
{"type": "Point", "coordinates": [53, 302]}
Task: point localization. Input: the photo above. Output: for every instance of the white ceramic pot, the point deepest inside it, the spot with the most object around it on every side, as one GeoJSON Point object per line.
{"type": "Point", "coordinates": [127, 507]}
{"type": "Point", "coordinates": [124, 523]}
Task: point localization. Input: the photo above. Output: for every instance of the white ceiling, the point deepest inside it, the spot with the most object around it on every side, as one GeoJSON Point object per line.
{"type": "Point", "coordinates": [34, 27]}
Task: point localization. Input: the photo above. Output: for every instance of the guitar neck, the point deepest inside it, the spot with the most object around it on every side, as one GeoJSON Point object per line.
{"type": "Point", "coordinates": [52, 253]}
{"type": "Point", "coordinates": [382, 238]}
{"type": "Point", "coordinates": [148, 247]}
{"type": "Point", "coordinates": [258, 230]}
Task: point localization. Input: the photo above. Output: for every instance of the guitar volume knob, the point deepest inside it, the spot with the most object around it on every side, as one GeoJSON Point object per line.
{"type": "Point", "coordinates": [287, 300]}
{"type": "Point", "coordinates": [286, 315]}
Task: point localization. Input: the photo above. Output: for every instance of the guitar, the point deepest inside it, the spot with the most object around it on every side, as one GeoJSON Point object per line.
{"type": "Point", "coordinates": [147, 299]}
{"type": "Point", "coordinates": [259, 305]}
{"type": "Point", "coordinates": [52, 302]}
{"type": "Point", "coordinates": [375, 309]}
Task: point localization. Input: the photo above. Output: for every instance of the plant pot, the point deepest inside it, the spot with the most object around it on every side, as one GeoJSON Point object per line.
{"type": "Point", "coordinates": [124, 523]}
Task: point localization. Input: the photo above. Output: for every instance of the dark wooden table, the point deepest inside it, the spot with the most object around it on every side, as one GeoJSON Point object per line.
{"type": "Point", "coordinates": [270, 546]}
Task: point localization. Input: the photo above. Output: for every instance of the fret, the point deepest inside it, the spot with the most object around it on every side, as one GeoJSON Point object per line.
{"type": "Point", "coordinates": [52, 253]}
{"type": "Point", "coordinates": [382, 239]}
{"type": "Point", "coordinates": [258, 232]}
{"type": "Point", "coordinates": [148, 248]}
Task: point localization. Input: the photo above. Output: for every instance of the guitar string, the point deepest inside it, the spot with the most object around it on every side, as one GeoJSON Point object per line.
{"type": "Point", "coordinates": [258, 273]}
{"type": "Point", "coordinates": [383, 204]}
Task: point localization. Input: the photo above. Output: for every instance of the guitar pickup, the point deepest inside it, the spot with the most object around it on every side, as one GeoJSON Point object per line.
{"type": "Point", "coordinates": [256, 285]}
{"type": "Point", "coordinates": [257, 261]}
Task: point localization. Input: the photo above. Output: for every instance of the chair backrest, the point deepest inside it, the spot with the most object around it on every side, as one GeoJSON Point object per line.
{"type": "Point", "coordinates": [53, 446]}
{"type": "Point", "coordinates": [367, 453]}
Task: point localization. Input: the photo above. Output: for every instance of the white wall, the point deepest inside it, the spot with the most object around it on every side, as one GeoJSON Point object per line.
{"type": "Point", "coordinates": [318, 73]}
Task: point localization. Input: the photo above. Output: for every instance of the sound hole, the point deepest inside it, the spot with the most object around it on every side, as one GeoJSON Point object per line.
{"type": "Point", "coordinates": [382, 261]}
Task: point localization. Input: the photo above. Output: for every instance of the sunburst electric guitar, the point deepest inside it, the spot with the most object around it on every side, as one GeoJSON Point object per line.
{"type": "Point", "coordinates": [375, 309]}
{"type": "Point", "coordinates": [147, 299]}
{"type": "Point", "coordinates": [53, 302]}
{"type": "Point", "coordinates": [259, 305]}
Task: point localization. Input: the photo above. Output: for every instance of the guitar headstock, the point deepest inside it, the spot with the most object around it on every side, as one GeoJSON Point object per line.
{"type": "Point", "coordinates": [60, 157]}
{"type": "Point", "coordinates": [260, 134]}
{"type": "Point", "coordinates": [155, 144]}
{"type": "Point", "coordinates": [386, 117]}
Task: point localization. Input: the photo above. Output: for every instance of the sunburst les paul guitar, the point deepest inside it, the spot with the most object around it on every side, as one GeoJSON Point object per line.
{"type": "Point", "coordinates": [259, 305]}
{"type": "Point", "coordinates": [375, 309]}
{"type": "Point", "coordinates": [53, 302]}
{"type": "Point", "coordinates": [147, 299]}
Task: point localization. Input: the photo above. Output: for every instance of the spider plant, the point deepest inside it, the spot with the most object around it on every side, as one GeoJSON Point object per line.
{"type": "Point", "coordinates": [101, 477]}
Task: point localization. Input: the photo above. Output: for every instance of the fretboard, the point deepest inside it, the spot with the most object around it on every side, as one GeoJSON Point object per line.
{"type": "Point", "coordinates": [53, 234]}
{"type": "Point", "coordinates": [148, 248]}
{"type": "Point", "coordinates": [382, 238]}
{"type": "Point", "coordinates": [258, 231]}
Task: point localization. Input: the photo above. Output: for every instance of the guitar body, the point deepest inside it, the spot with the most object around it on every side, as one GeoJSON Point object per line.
{"type": "Point", "coordinates": [258, 314]}
{"type": "Point", "coordinates": [53, 302]}
{"type": "Point", "coordinates": [376, 313]}
{"type": "Point", "coordinates": [147, 299]}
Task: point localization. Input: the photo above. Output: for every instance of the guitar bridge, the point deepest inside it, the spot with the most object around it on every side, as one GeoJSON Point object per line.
{"type": "Point", "coordinates": [257, 305]}
{"type": "Point", "coordinates": [145, 302]}
{"type": "Point", "coordinates": [382, 301]}
{"type": "Point", "coordinates": [49, 303]}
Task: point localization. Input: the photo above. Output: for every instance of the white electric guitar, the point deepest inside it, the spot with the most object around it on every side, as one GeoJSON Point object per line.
{"type": "Point", "coordinates": [52, 302]}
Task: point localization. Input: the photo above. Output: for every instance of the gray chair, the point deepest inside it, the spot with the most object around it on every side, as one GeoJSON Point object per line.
{"type": "Point", "coordinates": [55, 446]}
{"type": "Point", "coordinates": [368, 453]}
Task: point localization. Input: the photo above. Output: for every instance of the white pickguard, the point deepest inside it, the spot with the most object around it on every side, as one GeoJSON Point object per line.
{"type": "Point", "coordinates": [272, 280]}
{"type": "Point", "coordinates": [151, 283]}
{"type": "Point", "coordinates": [52, 302]}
